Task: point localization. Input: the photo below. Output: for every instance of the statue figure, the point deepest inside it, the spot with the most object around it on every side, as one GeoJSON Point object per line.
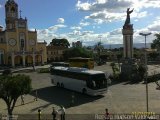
{"type": "Point", "coordinates": [127, 22]}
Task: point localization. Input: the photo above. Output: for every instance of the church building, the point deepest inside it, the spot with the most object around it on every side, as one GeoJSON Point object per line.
{"type": "Point", "coordinates": [19, 45]}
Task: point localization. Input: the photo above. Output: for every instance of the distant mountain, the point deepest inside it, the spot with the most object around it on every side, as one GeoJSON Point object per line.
{"type": "Point", "coordinates": [135, 45]}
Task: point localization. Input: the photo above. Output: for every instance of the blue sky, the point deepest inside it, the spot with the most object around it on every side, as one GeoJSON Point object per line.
{"type": "Point", "coordinates": [88, 20]}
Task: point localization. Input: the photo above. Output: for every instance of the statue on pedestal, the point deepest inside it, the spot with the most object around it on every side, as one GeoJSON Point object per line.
{"type": "Point", "coordinates": [127, 22]}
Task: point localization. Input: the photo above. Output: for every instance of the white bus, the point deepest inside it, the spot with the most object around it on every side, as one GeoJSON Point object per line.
{"type": "Point", "coordinates": [83, 80]}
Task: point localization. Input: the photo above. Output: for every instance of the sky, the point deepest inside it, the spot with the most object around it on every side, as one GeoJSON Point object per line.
{"type": "Point", "coordinates": [88, 21]}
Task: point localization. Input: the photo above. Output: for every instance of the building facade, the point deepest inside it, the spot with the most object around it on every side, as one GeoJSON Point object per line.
{"type": "Point", "coordinates": [55, 53]}
{"type": "Point", "coordinates": [18, 45]}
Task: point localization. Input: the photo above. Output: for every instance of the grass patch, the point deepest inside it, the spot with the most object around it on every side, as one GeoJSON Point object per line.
{"type": "Point", "coordinates": [43, 70]}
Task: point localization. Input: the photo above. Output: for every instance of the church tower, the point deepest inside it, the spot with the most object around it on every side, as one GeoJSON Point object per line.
{"type": "Point", "coordinates": [11, 9]}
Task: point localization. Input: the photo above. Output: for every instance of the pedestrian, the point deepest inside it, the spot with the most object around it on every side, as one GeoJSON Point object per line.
{"type": "Point", "coordinates": [33, 67]}
{"type": "Point", "coordinates": [36, 95]}
{"type": "Point", "coordinates": [62, 112]}
{"type": "Point", "coordinates": [39, 114]}
{"type": "Point", "coordinates": [54, 114]}
{"type": "Point", "coordinates": [72, 98]}
{"type": "Point", "coordinates": [22, 99]}
{"type": "Point", "coordinates": [107, 117]}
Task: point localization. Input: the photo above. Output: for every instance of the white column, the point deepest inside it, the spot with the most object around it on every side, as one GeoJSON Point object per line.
{"type": "Point", "coordinates": [124, 47]}
{"type": "Point", "coordinates": [24, 61]}
{"type": "Point", "coordinates": [129, 46]}
{"type": "Point", "coordinates": [12, 57]}
{"type": "Point", "coordinates": [42, 59]}
{"type": "Point", "coordinates": [33, 59]}
{"type": "Point", "coordinates": [0, 58]}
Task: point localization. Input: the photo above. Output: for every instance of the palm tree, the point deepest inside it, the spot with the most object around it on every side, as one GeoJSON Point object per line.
{"type": "Point", "coordinates": [99, 47]}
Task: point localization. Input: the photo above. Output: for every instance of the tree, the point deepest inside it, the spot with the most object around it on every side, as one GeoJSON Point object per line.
{"type": "Point", "coordinates": [77, 52]}
{"type": "Point", "coordinates": [141, 71]}
{"type": "Point", "coordinates": [156, 42]}
{"type": "Point", "coordinates": [11, 87]}
{"type": "Point", "coordinates": [60, 42]}
{"type": "Point", "coordinates": [153, 55]}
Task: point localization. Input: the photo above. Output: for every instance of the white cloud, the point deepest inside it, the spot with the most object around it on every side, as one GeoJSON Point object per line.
{"type": "Point", "coordinates": [83, 6]}
{"type": "Point", "coordinates": [56, 27]}
{"type": "Point", "coordinates": [84, 23]}
{"type": "Point", "coordinates": [1, 6]}
{"type": "Point", "coordinates": [76, 28]}
{"type": "Point", "coordinates": [60, 20]}
{"type": "Point", "coordinates": [115, 10]}
{"type": "Point", "coordinates": [104, 16]}
{"type": "Point", "coordinates": [50, 33]}
{"type": "Point", "coordinates": [101, 5]}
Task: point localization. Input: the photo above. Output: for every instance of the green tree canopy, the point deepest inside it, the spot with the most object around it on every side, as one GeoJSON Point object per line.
{"type": "Point", "coordinates": [77, 52]}
{"type": "Point", "coordinates": [156, 42]}
{"type": "Point", "coordinates": [60, 42]}
{"type": "Point", "coordinates": [11, 87]}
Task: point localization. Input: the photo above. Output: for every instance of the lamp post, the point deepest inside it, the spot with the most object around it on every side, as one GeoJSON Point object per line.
{"type": "Point", "coordinates": [99, 47]}
{"type": "Point", "coordinates": [145, 35]}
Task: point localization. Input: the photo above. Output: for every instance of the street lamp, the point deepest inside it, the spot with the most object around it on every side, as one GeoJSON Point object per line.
{"type": "Point", "coordinates": [145, 35]}
{"type": "Point", "coordinates": [99, 47]}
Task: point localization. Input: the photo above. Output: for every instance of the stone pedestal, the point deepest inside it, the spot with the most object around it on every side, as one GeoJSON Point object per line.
{"type": "Point", "coordinates": [128, 67]}
{"type": "Point", "coordinates": [127, 32]}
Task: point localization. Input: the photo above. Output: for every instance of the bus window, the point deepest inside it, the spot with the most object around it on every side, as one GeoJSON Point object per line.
{"type": "Point", "coordinates": [62, 64]}
{"type": "Point", "coordinates": [98, 81]}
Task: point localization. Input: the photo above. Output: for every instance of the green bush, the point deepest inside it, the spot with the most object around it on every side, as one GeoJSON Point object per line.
{"type": "Point", "coordinates": [7, 72]}
{"type": "Point", "coordinates": [44, 70]}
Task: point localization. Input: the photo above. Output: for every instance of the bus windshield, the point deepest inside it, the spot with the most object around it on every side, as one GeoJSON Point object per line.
{"type": "Point", "coordinates": [97, 81]}
{"type": "Point", "coordinates": [62, 64]}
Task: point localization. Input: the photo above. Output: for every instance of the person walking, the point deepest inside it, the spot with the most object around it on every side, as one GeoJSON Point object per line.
{"type": "Point", "coordinates": [33, 67]}
{"type": "Point", "coordinates": [54, 114]}
{"type": "Point", "coordinates": [62, 112]}
{"type": "Point", "coordinates": [22, 99]}
{"type": "Point", "coordinates": [39, 114]}
{"type": "Point", "coordinates": [72, 99]}
{"type": "Point", "coordinates": [36, 96]}
{"type": "Point", "coordinates": [107, 117]}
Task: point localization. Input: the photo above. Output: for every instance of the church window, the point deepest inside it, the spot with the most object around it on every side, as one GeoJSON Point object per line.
{"type": "Point", "coordinates": [1, 40]}
{"type": "Point", "coordinates": [22, 41]}
{"type": "Point", "coordinates": [13, 9]}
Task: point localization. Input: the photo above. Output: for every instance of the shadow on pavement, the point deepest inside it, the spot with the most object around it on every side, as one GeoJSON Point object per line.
{"type": "Point", "coordinates": [61, 96]}
{"type": "Point", "coordinates": [132, 82]}
{"type": "Point", "coordinates": [115, 82]}
{"type": "Point", "coordinates": [24, 104]}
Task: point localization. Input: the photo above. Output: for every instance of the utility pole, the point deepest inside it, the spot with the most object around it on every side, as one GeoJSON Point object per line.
{"type": "Point", "coordinates": [146, 74]}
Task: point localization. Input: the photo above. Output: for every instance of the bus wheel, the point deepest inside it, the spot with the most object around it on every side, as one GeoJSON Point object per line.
{"type": "Point", "coordinates": [62, 85]}
{"type": "Point", "coordinates": [84, 91]}
{"type": "Point", "coordinates": [58, 85]}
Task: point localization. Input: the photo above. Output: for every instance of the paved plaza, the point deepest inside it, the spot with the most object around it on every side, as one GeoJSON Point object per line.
{"type": "Point", "coordinates": [120, 98]}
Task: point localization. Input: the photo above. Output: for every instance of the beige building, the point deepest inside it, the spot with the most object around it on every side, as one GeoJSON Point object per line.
{"type": "Point", "coordinates": [18, 45]}
{"type": "Point", "coordinates": [55, 53]}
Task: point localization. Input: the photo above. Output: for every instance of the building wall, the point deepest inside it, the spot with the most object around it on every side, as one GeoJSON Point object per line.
{"type": "Point", "coordinates": [42, 46]}
{"type": "Point", "coordinates": [55, 53]}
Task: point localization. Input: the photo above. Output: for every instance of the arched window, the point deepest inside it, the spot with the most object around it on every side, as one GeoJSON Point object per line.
{"type": "Point", "coordinates": [13, 9]}
{"type": "Point", "coordinates": [1, 57]}
{"type": "Point", "coordinates": [22, 41]}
